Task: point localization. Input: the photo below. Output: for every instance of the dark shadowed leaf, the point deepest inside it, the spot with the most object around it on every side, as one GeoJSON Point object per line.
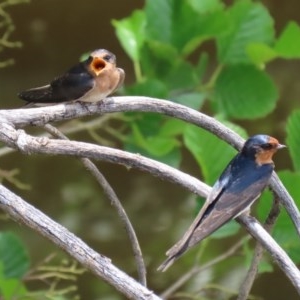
{"type": "Point", "coordinates": [13, 255]}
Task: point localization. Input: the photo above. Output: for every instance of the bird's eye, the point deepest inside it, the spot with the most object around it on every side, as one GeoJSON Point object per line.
{"type": "Point", "coordinates": [267, 146]}
{"type": "Point", "coordinates": [107, 57]}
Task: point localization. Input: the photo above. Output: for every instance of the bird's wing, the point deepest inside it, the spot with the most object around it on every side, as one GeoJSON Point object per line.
{"type": "Point", "coordinates": [215, 193]}
{"type": "Point", "coordinates": [228, 207]}
{"type": "Point", "coordinates": [182, 245]}
{"type": "Point", "coordinates": [70, 86]}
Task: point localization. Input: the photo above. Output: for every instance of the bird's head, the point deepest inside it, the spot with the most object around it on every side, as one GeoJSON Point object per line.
{"type": "Point", "coordinates": [99, 60]}
{"type": "Point", "coordinates": [262, 148]}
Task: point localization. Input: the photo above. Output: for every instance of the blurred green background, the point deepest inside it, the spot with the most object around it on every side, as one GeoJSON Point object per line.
{"type": "Point", "coordinates": [54, 35]}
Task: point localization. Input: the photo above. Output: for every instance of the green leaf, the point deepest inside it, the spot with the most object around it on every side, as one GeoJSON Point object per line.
{"type": "Point", "coordinates": [159, 20]}
{"type": "Point", "coordinates": [211, 153]}
{"type": "Point", "coordinates": [154, 144]}
{"type": "Point", "coordinates": [265, 267]}
{"type": "Point", "coordinates": [150, 87]}
{"type": "Point", "coordinates": [13, 255]}
{"type": "Point", "coordinates": [180, 24]}
{"type": "Point", "coordinates": [250, 22]}
{"type": "Point", "coordinates": [288, 44]}
{"type": "Point", "coordinates": [192, 100]}
{"type": "Point", "coordinates": [260, 53]}
{"type": "Point", "coordinates": [181, 76]}
{"type": "Point", "coordinates": [172, 127]}
{"type": "Point", "coordinates": [150, 136]}
{"type": "Point", "coordinates": [197, 28]}
{"type": "Point", "coordinates": [11, 288]}
{"type": "Point", "coordinates": [244, 92]}
{"type": "Point", "coordinates": [131, 33]}
{"type": "Point", "coordinates": [172, 158]}
{"type": "Point", "coordinates": [206, 6]}
{"type": "Point", "coordinates": [293, 138]}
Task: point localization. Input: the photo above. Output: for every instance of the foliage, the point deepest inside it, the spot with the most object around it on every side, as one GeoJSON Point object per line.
{"type": "Point", "coordinates": [6, 29]}
{"type": "Point", "coordinates": [15, 272]}
{"type": "Point", "coordinates": [170, 44]}
{"type": "Point", "coordinates": [205, 55]}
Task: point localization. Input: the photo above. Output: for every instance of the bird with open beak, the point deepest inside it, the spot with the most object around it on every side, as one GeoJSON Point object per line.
{"type": "Point", "coordinates": [240, 184]}
{"type": "Point", "coordinates": [89, 81]}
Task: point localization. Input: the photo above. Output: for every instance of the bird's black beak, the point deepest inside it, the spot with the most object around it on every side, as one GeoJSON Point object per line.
{"type": "Point", "coordinates": [281, 146]}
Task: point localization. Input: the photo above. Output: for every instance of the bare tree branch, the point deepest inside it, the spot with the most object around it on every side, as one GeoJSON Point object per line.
{"type": "Point", "coordinates": [43, 115]}
{"type": "Point", "coordinates": [98, 264]}
{"type": "Point", "coordinates": [18, 118]}
{"type": "Point", "coordinates": [28, 144]}
{"type": "Point", "coordinates": [112, 196]}
{"type": "Point", "coordinates": [197, 269]}
{"type": "Point", "coordinates": [270, 245]}
{"type": "Point", "coordinates": [42, 145]}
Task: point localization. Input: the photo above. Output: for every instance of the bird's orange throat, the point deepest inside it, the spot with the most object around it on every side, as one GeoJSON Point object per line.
{"type": "Point", "coordinates": [265, 157]}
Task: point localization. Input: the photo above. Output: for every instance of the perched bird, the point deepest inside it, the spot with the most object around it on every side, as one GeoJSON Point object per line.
{"type": "Point", "coordinates": [88, 81]}
{"type": "Point", "coordinates": [240, 184]}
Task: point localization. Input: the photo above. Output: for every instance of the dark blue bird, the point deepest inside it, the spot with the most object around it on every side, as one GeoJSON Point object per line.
{"type": "Point", "coordinates": [240, 184]}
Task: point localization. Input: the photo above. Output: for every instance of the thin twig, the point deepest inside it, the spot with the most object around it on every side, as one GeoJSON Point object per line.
{"type": "Point", "coordinates": [111, 195]}
{"type": "Point", "coordinates": [247, 284]}
{"type": "Point", "coordinates": [197, 269]}
{"type": "Point", "coordinates": [277, 253]}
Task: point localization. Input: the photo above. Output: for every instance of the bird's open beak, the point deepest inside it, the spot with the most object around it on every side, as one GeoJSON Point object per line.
{"type": "Point", "coordinates": [97, 65]}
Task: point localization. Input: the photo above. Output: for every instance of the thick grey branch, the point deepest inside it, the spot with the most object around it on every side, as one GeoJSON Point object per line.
{"type": "Point", "coordinates": [42, 115]}
{"type": "Point", "coordinates": [26, 214]}
{"type": "Point", "coordinates": [270, 245]}
{"type": "Point", "coordinates": [28, 144]}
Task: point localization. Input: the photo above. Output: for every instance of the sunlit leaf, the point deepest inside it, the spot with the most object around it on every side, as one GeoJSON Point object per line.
{"type": "Point", "coordinates": [130, 32]}
{"type": "Point", "coordinates": [260, 53]}
{"type": "Point", "coordinates": [172, 127]}
{"type": "Point", "coordinates": [288, 43]}
{"type": "Point", "coordinates": [11, 288]}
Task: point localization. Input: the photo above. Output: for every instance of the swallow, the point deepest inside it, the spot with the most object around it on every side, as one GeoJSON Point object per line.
{"type": "Point", "coordinates": [89, 81]}
{"type": "Point", "coordinates": [240, 184]}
